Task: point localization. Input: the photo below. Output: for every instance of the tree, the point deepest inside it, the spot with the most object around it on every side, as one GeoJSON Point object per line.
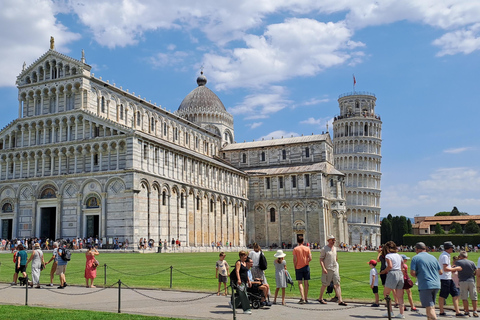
{"type": "Point", "coordinates": [439, 229]}
{"type": "Point", "coordinates": [455, 212]}
{"type": "Point", "coordinates": [402, 229]}
{"type": "Point", "coordinates": [455, 228]}
{"type": "Point", "coordinates": [442, 213]}
{"type": "Point", "coordinates": [472, 227]}
{"type": "Point", "coordinates": [396, 230]}
{"type": "Point", "coordinates": [409, 226]}
{"type": "Point", "coordinates": [386, 229]}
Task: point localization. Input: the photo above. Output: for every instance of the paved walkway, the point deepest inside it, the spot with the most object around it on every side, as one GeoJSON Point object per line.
{"type": "Point", "coordinates": [188, 305]}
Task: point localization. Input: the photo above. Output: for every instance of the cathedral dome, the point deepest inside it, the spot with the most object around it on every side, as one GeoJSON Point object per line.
{"type": "Point", "coordinates": [201, 100]}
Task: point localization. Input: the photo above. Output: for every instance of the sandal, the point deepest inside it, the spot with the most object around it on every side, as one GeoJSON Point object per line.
{"type": "Point", "coordinates": [322, 301]}
{"type": "Point", "coordinates": [413, 309]}
{"type": "Point", "coordinates": [342, 304]}
{"type": "Point", "coordinates": [475, 314]}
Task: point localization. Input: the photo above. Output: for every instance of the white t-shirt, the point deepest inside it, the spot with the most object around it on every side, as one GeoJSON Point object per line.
{"type": "Point", "coordinates": [445, 259]}
{"type": "Point", "coordinates": [374, 273]}
{"type": "Point", "coordinates": [255, 256]}
{"type": "Point", "coordinates": [396, 260]}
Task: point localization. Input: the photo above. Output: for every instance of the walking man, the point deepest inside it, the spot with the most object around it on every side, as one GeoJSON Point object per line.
{"type": "Point", "coordinates": [328, 261]}
{"type": "Point", "coordinates": [301, 261]}
{"type": "Point", "coordinates": [466, 279]}
{"type": "Point", "coordinates": [426, 269]}
{"type": "Point", "coordinates": [61, 267]}
{"type": "Point", "coordinates": [447, 285]}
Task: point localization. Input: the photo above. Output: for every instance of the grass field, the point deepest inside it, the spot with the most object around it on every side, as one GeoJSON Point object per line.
{"type": "Point", "coordinates": [38, 313]}
{"type": "Point", "coordinates": [196, 271]}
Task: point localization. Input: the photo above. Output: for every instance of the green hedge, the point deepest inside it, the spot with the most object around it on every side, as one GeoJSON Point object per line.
{"type": "Point", "coordinates": [438, 239]}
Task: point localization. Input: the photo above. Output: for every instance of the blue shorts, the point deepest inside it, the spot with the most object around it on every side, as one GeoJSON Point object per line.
{"type": "Point", "coordinates": [448, 287]}
{"type": "Point", "coordinates": [428, 297]}
{"type": "Point", "coordinates": [302, 273]}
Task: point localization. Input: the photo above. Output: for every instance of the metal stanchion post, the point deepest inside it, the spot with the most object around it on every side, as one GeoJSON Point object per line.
{"type": "Point", "coordinates": [388, 303]}
{"type": "Point", "coordinates": [234, 304]}
{"type": "Point", "coordinates": [171, 276]}
{"type": "Point", "coordinates": [105, 275]}
{"type": "Point", "coordinates": [26, 291]}
{"type": "Point", "coordinates": [119, 294]}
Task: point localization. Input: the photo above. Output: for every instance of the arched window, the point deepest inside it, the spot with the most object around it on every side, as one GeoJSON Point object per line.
{"type": "Point", "coordinates": [211, 205]}
{"type": "Point", "coordinates": [272, 214]}
{"type": "Point", "coordinates": [182, 200]}
{"type": "Point", "coordinates": [164, 128]}
{"type": "Point", "coordinates": [365, 131]}
{"type": "Point", "coordinates": [139, 119]}
{"type": "Point", "coordinates": [7, 207]}
{"type": "Point", "coordinates": [307, 152]}
{"type": "Point", "coordinates": [263, 156]}
{"type": "Point", "coordinates": [284, 154]}
{"type": "Point", "coordinates": [244, 158]}
{"type": "Point", "coordinates": [224, 208]}
{"type": "Point", "coordinates": [198, 203]}
{"type": "Point", "coordinates": [164, 198]}
{"type": "Point", "coordinates": [121, 112]}
{"type": "Point", "coordinates": [152, 124]}
{"type": "Point", "coordinates": [103, 104]}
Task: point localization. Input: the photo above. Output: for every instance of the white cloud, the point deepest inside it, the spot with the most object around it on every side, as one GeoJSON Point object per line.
{"type": "Point", "coordinates": [457, 150]}
{"type": "Point", "coordinates": [254, 125]}
{"type": "Point", "coordinates": [296, 47]}
{"type": "Point", "coordinates": [313, 102]}
{"type": "Point", "coordinates": [445, 188]}
{"type": "Point", "coordinates": [262, 105]}
{"type": "Point", "coordinates": [460, 41]}
{"type": "Point", "coordinates": [168, 59]}
{"type": "Point", "coordinates": [278, 134]}
{"type": "Point", "coordinates": [25, 30]}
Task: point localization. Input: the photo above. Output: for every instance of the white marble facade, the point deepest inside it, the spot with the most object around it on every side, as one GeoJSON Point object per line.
{"type": "Point", "coordinates": [87, 158]}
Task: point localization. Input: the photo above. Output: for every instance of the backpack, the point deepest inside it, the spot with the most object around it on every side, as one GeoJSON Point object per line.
{"type": "Point", "coordinates": [289, 280]}
{"type": "Point", "coordinates": [66, 254]}
{"type": "Point", "coordinates": [262, 262]}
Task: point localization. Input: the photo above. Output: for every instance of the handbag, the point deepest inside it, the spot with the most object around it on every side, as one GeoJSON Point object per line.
{"type": "Point", "coordinates": [407, 283]}
{"type": "Point", "coordinates": [95, 264]}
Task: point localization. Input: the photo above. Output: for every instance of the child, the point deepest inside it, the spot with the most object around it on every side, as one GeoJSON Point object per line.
{"type": "Point", "coordinates": [280, 275]}
{"type": "Point", "coordinates": [374, 282]}
{"type": "Point", "coordinates": [222, 272]}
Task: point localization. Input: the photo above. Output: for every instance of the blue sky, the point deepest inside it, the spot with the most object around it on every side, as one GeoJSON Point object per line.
{"type": "Point", "coordinates": [279, 67]}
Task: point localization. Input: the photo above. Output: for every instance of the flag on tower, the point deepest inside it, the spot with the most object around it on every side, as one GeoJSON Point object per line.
{"type": "Point", "coordinates": [354, 81]}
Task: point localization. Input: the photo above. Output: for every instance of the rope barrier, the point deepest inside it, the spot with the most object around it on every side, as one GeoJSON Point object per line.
{"type": "Point", "coordinates": [165, 300]}
{"type": "Point", "coordinates": [136, 274]}
{"type": "Point", "coordinates": [80, 294]}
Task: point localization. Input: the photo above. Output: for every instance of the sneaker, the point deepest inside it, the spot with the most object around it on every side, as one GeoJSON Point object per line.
{"type": "Point", "coordinates": [65, 284]}
{"type": "Point", "coordinates": [475, 314]}
{"type": "Point", "coordinates": [60, 287]}
{"type": "Point", "coordinates": [385, 315]}
{"type": "Point", "coordinates": [400, 316]}
{"type": "Point", "coordinates": [375, 305]}
{"type": "Point", "coordinates": [460, 315]}
{"type": "Point", "coordinates": [268, 304]}
{"type": "Point", "coordinates": [13, 284]}
{"type": "Point", "coordinates": [247, 311]}
{"type": "Point", "coordinates": [50, 285]}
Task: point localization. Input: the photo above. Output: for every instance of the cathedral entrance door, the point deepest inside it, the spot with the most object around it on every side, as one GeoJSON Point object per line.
{"type": "Point", "coordinates": [7, 228]}
{"type": "Point", "coordinates": [93, 224]}
{"type": "Point", "coordinates": [299, 235]}
{"type": "Point", "coordinates": [48, 221]}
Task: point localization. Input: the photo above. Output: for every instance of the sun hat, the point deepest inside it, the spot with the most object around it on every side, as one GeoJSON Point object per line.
{"type": "Point", "coordinates": [37, 245]}
{"type": "Point", "coordinates": [330, 237]}
{"type": "Point", "coordinates": [279, 254]}
{"type": "Point", "coordinates": [404, 257]}
{"type": "Point", "coordinates": [448, 245]}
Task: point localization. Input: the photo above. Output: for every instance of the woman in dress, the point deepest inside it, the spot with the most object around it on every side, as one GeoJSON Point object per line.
{"type": "Point", "coordinates": [91, 265]}
{"type": "Point", "coordinates": [280, 276]}
{"type": "Point", "coordinates": [394, 272]}
{"type": "Point", "coordinates": [37, 262]}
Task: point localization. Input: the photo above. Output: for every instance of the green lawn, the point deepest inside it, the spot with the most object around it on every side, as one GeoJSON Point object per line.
{"type": "Point", "coordinates": [38, 313]}
{"type": "Point", "coordinates": [196, 271]}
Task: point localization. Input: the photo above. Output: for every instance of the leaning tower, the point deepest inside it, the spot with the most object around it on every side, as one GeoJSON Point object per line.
{"type": "Point", "coordinates": [357, 148]}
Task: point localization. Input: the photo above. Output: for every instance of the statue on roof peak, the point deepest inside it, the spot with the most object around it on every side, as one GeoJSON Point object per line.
{"type": "Point", "coordinates": [52, 43]}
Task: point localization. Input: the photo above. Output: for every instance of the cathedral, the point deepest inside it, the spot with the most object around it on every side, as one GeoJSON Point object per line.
{"type": "Point", "coordinates": [86, 158]}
